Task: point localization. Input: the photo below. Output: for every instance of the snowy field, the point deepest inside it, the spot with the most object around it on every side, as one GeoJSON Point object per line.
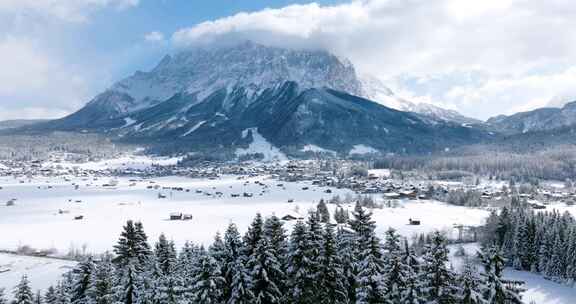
{"type": "Point", "coordinates": [538, 289]}
{"type": "Point", "coordinates": [42, 272]}
{"type": "Point", "coordinates": [35, 219]}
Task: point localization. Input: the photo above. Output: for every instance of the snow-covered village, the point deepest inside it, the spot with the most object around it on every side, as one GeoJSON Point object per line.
{"type": "Point", "coordinates": [287, 152]}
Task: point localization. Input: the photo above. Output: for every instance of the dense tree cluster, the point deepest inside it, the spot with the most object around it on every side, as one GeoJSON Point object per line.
{"type": "Point", "coordinates": [317, 263]}
{"type": "Point", "coordinates": [557, 162]}
{"type": "Point", "coordinates": [541, 242]}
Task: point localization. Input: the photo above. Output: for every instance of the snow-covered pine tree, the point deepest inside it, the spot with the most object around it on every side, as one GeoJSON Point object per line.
{"type": "Point", "coordinates": [128, 288]}
{"type": "Point", "coordinates": [240, 286]}
{"type": "Point", "coordinates": [82, 277]}
{"type": "Point", "coordinates": [165, 253]}
{"type": "Point", "coordinates": [38, 299]}
{"type": "Point", "coordinates": [323, 212]}
{"type": "Point", "coordinates": [232, 255]}
{"type": "Point", "coordinates": [23, 293]}
{"type": "Point", "coordinates": [496, 289]}
{"type": "Point", "coordinates": [395, 270]}
{"type": "Point", "coordinates": [470, 285]}
{"type": "Point", "coordinates": [3, 299]}
{"type": "Point", "coordinates": [341, 216]}
{"type": "Point", "coordinates": [413, 292]}
{"type": "Point", "coordinates": [347, 253]}
{"type": "Point", "coordinates": [265, 274]}
{"type": "Point", "coordinates": [254, 234]}
{"type": "Point", "coordinates": [132, 244]}
{"type": "Point", "coordinates": [50, 296]}
{"type": "Point", "coordinates": [370, 264]}
{"type": "Point", "coordinates": [275, 233]}
{"type": "Point", "coordinates": [207, 282]}
{"type": "Point", "coordinates": [301, 266]}
{"type": "Point", "coordinates": [437, 279]}
{"type": "Point", "coordinates": [100, 290]}
{"type": "Point", "coordinates": [331, 274]}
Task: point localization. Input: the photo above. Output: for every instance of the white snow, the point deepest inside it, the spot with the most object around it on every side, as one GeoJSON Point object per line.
{"type": "Point", "coordinates": [124, 162]}
{"type": "Point", "coordinates": [362, 149]}
{"type": "Point", "coordinates": [538, 289]}
{"type": "Point", "coordinates": [316, 149]}
{"type": "Point", "coordinates": [261, 145]}
{"type": "Point", "coordinates": [379, 172]}
{"type": "Point", "coordinates": [128, 121]}
{"type": "Point", "coordinates": [35, 220]}
{"type": "Point", "coordinates": [42, 272]}
{"type": "Point", "coordinates": [194, 128]}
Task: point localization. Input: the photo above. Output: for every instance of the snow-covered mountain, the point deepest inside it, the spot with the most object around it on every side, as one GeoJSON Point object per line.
{"type": "Point", "coordinates": [376, 90]}
{"type": "Point", "coordinates": [210, 97]}
{"type": "Point", "coordinates": [543, 119]}
{"type": "Point", "coordinates": [203, 71]}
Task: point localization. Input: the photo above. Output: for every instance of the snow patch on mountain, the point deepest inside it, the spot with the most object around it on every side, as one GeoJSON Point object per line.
{"type": "Point", "coordinates": [362, 149]}
{"type": "Point", "coordinates": [375, 90]}
{"type": "Point", "coordinates": [128, 122]}
{"type": "Point", "coordinates": [316, 149]}
{"type": "Point", "coordinates": [194, 128]}
{"type": "Point", "coordinates": [260, 145]}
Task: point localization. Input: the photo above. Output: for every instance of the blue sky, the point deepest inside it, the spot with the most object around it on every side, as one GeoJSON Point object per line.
{"type": "Point", "coordinates": [482, 58]}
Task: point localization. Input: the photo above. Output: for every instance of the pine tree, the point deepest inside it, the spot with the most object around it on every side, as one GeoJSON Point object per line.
{"type": "Point", "coordinates": [165, 255]}
{"type": "Point", "coordinates": [332, 282]}
{"type": "Point", "coordinates": [240, 286]}
{"type": "Point", "coordinates": [207, 282]}
{"type": "Point", "coordinates": [232, 260]}
{"type": "Point", "coordinates": [132, 245]}
{"type": "Point", "coordinates": [63, 293]}
{"type": "Point", "coordinates": [395, 270]}
{"type": "Point", "coordinates": [323, 212]}
{"type": "Point", "coordinates": [254, 234]}
{"type": "Point", "coordinates": [370, 265]}
{"type": "Point", "coordinates": [265, 271]}
{"type": "Point", "coordinates": [470, 285]}
{"type": "Point", "coordinates": [38, 298]}
{"type": "Point", "coordinates": [438, 280]}
{"type": "Point", "coordinates": [50, 296]}
{"type": "Point", "coordinates": [498, 290]}
{"type": "Point", "coordinates": [127, 290]}
{"type": "Point", "coordinates": [82, 275]}
{"type": "Point", "coordinates": [23, 293]}
{"type": "Point", "coordinates": [347, 253]}
{"type": "Point", "coordinates": [3, 299]}
{"type": "Point", "coordinates": [100, 290]}
{"type": "Point", "coordinates": [301, 267]}
{"type": "Point", "coordinates": [341, 216]}
{"type": "Point", "coordinates": [413, 292]}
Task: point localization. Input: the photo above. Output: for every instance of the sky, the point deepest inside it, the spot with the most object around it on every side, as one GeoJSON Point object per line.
{"type": "Point", "coordinates": [481, 58]}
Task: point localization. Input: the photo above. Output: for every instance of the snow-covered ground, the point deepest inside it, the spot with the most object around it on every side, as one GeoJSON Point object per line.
{"type": "Point", "coordinates": [261, 145]}
{"type": "Point", "coordinates": [538, 290]}
{"type": "Point", "coordinates": [362, 149]}
{"type": "Point", "coordinates": [125, 162]}
{"type": "Point", "coordinates": [35, 219]}
{"type": "Point", "coordinates": [42, 272]}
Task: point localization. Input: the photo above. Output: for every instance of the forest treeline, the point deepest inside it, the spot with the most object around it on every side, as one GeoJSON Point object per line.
{"type": "Point", "coordinates": [316, 263]}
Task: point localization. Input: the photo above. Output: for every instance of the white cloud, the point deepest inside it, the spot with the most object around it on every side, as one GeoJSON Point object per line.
{"type": "Point", "coordinates": [518, 46]}
{"type": "Point", "coordinates": [154, 36]}
{"type": "Point", "coordinates": [67, 10]}
{"type": "Point", "coordinates": [30, 79]}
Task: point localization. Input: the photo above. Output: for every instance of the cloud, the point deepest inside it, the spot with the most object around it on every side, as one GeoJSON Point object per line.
{"type": "Point", "coordinates": [30, 78]}
{"type": "Point", "coordinates": [38, 78]}
{"type": "Point", "coordinates": [154, 36]}
{"type": "Point", "coordinates": [515, 44]}
{"type": "Point", "coordinates": [66, 10]}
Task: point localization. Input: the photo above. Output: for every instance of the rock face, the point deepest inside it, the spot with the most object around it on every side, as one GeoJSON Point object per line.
{"type": "Point", "coordinates": [207, 98]}
{"type": "Point", "coordinates": [543, 119]}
